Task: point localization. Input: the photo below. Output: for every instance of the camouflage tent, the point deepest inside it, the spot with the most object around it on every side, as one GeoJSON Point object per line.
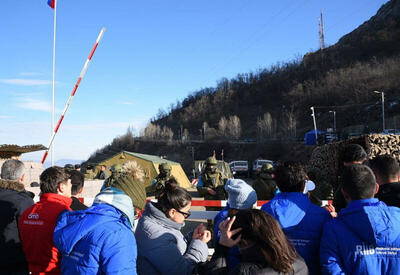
{"type": "Point", "coordinates": [149, 164]}
{"type": "Point", "coordinates": [221, 165]}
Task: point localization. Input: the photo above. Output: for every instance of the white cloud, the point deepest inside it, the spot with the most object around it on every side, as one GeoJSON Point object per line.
{"type": "Point", "coordinates": [25, 82]}
{"type": "Point", "coordinates": [30, 74]}
{"type": "Point", "coordinates": [127, 103]}
{"type": "Point", "coordinates": [5, 117]}
{"type": "Point", "coordinates": [34, 104]}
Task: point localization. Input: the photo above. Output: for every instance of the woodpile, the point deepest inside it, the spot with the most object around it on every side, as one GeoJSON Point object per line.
{"type": "Point", "coordinates": [326, 165]}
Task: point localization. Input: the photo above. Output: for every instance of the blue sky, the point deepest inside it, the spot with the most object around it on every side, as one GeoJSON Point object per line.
{"type": "Point", "coordinates": [152, 54]}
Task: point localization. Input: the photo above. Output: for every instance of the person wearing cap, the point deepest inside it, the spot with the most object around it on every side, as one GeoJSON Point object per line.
{"type": "Point", "coordinates": [265, 185]}
{"type": "Point", "coordinates": [300, 219]}
{"type": "Point", "coordinates": [241, 196]}
{"type": "Point", "coordinates": [100, 239]}
{"type": "Point", "coordinates": [158, 184]}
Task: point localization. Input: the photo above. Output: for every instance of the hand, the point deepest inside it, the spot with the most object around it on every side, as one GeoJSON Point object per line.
{"type": "Point", "coordinates": [226, 233]}
{"type": "Point", "coordinates": [331, 209]}
{"type": "Point", "coordinates": [211, 192]}
{"type": "Point", "coordinates": [206, 236]}
{"type": "Point", "coordinates": [198, 232]}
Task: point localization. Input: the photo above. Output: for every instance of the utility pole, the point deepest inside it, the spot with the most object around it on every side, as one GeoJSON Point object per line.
{"type": "Point", "coordinates": [315, 125]}
{"type": "Point", "coordinates": [383, 108]}
{"type": "Point", "coordinates": [334, 120]}
{"type": "Point", "coordinates": [321, 32]}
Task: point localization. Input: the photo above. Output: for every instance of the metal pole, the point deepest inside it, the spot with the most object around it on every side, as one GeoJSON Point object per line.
{"type": "Point", "coordinates": [383, 111]}
{"type": "Point", "coordinates": [334, 121]}
{"type": "Point", "coordinates": [54, 79]}
{"type": "Point", "coordinates": [315, 125]}
{"type": "Point", "coordinates": [82, 74]}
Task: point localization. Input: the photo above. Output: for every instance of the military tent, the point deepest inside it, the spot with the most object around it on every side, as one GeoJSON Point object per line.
{"type": "Point", "coordinates": [149, 164]}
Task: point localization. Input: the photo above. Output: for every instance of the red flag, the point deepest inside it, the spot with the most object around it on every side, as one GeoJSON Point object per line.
{"type": "Point", "coordinates": [214, 154]}
{"type": "Point", "coordinates": [51, 3]}
{"type": "Point", "coordinates": [222, 153]}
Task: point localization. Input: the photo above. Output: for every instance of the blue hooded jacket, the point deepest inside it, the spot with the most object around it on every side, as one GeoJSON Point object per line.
{"type": "Point", "coordinates": [364, 239]}
{"type": "Point", "coordinates": [98, 240]}
{"type": "Point", "coordinates": [302, 223]}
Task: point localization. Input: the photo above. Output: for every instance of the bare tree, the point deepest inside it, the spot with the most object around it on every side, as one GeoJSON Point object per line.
{"type": "Point", "coordinates": [223, 127]}
{"type": "Point", "coordinates": [235, 127]}
{"type": "Point", "coordinates": [265, 125]}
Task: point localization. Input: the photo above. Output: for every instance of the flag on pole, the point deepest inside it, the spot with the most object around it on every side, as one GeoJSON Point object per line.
{"type": "Point", "coordinates": [214, 154]}
{"type": "Point", "coordinates": [51, 3]}
{"type": "Point", "coordinates": [222, 154]}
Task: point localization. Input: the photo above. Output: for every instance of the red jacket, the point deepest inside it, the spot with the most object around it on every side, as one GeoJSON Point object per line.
{"type": "Point", "coordinates": [36, 227]}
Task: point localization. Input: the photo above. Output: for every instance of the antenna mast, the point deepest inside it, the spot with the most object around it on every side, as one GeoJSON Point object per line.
{"type": "Point", "coordinates": [321, 33]}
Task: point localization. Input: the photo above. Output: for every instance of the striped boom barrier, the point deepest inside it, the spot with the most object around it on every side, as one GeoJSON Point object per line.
{"type": "Point", "coordinates": [82, 74]}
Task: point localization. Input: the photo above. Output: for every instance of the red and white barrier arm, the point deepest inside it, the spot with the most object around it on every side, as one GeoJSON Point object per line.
{"type": "Point", "coordinates": [82, 74]}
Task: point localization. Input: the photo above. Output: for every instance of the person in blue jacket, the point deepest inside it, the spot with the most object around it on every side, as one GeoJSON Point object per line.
{"type": "Point", "coordinates": [365, 238]}
{"type": "Point", "coordinates": [241, 196]}
{"type": "Point", "coordinates": [100, 239]}
{"type": "Point", "coordinates": [301, 220]}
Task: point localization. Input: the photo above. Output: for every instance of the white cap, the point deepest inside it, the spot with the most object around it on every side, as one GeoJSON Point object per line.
{"type": "Point", "coordinates": [310, 185]}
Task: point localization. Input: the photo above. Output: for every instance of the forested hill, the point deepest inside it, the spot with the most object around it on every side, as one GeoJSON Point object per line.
{"type": "Point", "coordinates": [275, 102]}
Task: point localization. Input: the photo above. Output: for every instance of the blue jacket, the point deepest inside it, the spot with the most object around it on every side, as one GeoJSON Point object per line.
{"type": "Point", "coordinates": [233, 256]}
{"type": "Point", "coordinates": [364, 239]}
{"type": "Point", "coordinates": [162, 249]}
{"type": "Point", "coordinates": [98, 240]}
{"type": "Point", "coordinates": [302, 222]}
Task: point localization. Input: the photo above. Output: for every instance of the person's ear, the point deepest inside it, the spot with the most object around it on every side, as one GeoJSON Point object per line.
{"type": "Point", "coordinates": [171, 213]}
{"type": "Point", "coordinates": [345, 195]}
{"type": "Point", "coordinates": [61, 187]}
{"type": "Point", "coordinates": [376, 188]}
{"type": "Point", "coordinates": [21, 179]}
{"type": "Point", "coordinates": [80, 191]}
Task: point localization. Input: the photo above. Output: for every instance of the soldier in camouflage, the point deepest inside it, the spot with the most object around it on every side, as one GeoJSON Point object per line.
{"type": "Point", "coordinates": [265, 185]}
{"type": "Point", "coordinates": [158, 184]}
{"type": "Point", "coordinates": [211, 182]}
{"type": "Point", "coordinates": [89, 173]}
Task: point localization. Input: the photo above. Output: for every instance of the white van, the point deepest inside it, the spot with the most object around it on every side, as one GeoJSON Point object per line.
{"type": "Point", "coordinates": [240, 167]}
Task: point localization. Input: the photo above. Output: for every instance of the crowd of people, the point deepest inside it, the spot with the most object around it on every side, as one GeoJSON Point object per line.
{"type": "Point", "coordinates": [121, 233]}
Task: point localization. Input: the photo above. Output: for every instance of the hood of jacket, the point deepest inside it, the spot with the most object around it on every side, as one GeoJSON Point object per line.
{"type": "Point", "coordinates": [12, 185]}
{"type": "Point", "coordinates": [289, 208]}
{"type": "Point", "coordinates": [119, 200]}
{"type": "Point", "coordinates": [153, 213]}
{"type": "Point", "coordinates": [73, 226]}
{"type": "Point", "coordinates": [375, 223]}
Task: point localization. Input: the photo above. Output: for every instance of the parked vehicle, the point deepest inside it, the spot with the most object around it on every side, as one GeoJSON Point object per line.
{"type": "Point", "coordinates": [257, 164]}
{"type": "Point", "coordinates": [240, 167]}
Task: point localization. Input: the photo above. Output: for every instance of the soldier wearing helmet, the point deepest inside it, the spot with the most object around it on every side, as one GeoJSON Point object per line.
{"type": "Point", "coordinates": [158, 184]}
{"type": "Point", "coordinates": [89, 173]}
{"type": "Point", "coordinates": [211, 182]}
{"type": "Point", "coordinates": [265, 185]}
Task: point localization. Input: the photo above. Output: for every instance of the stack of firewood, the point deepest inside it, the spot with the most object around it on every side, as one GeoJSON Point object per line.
{"type": "Point", "coordinates": [326, 163]}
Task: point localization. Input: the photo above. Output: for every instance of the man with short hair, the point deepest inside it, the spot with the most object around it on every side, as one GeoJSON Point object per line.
{"type": "Point", "coordinates": [77, 182]}
{"type": "Point", "coordinates": [365, 238]}
{"type": "Point", "coordinates": [301, 220]}
{"type": "Point", "coordinates": [102, 174]}
{"type": "Point", "coordinates": [386, 170]}
{"type": "Point", "coordinates": [351, 154]}
{"type": "Point", "coordinates": [37, 223]}
{"type": "Point", "coordinates": [14, 200]}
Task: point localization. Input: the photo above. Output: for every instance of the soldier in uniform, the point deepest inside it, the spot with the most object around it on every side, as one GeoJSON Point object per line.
{"type": "Point", "coordinates": [89, 174]}
{"type": "Point", "coordinates": [158, 184]}
{"type": "Point", "coordinates": [265, 185]}
{"type": "Point", "coordinates": [211, 184]}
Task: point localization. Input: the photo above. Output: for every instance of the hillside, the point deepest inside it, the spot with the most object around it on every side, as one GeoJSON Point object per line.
{"type": "Point", "coordinates": [272, 106]}
{"type": "Point", "coordinates": [345, 73]}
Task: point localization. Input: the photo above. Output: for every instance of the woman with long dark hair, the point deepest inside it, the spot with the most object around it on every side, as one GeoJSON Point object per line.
{"type": "Point", "coordinates": [264, 248]}
{"type": "Point", "coordinates": [162, 249]}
